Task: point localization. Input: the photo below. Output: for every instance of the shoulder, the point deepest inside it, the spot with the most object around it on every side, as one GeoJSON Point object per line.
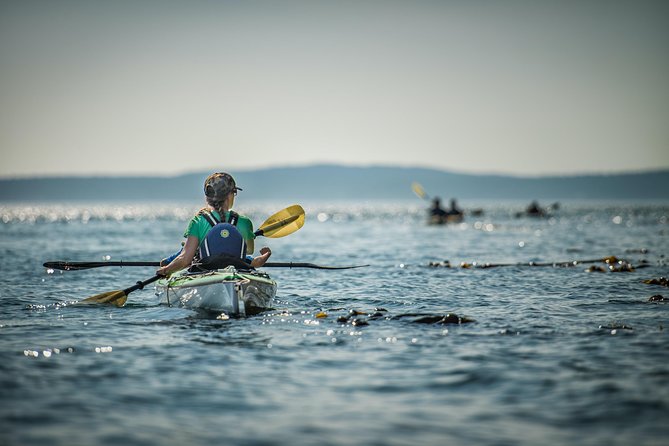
{"type": "Point", "coordinates": [197, 220]}
{"type": "Point", "coordinates": [244, 221]}
{"type": "Point", "coordinates": [244, 218]}
{"type": "Point", "coordinates": [197, 226]}
{"type": "Point", "coordinates": [199, 215]}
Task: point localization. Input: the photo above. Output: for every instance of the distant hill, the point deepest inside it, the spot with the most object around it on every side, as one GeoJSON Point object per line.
{"type": "Point", "coordinates": [342, 182]}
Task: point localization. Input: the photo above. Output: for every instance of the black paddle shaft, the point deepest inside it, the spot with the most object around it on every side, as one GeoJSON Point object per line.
{"type": "Point", "coordinates": [75, 266]}
{"type": "Point", "coordinates": [306, 265]}
{"type": "Point", "coordinates": [140, 285]}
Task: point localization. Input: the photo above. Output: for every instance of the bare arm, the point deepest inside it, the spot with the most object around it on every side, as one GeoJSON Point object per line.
{"type": "Point", "coordinates": [262, 258]}
{"type": "Point", "coordinates": [183, 260]}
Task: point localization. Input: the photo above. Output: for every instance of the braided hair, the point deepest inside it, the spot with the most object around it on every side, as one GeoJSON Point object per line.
{"type": "Point", "coordinates": [218, 205]}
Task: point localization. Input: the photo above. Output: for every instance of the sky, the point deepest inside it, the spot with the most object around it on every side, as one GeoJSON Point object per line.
{"type": "Point", "coordinates": [524, 88]}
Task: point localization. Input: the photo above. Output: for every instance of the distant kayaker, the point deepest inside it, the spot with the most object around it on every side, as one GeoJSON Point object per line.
{"type": "Point", "coordinates": [454, 210]}
{"type": "Point", "coordinates": [436, 210]}
{"type": "Point", "coordinates": [220, 190]}
{"type": "Point", "coordinates": [535, 210]}
{"type": "Point", "coordinates": [440, 216]}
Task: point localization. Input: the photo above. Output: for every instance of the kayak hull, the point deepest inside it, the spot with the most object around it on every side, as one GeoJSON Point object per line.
{"type": "Point", "coordinates": [235, 293]}
{"type": "Point", "coordinates": [445, 219]}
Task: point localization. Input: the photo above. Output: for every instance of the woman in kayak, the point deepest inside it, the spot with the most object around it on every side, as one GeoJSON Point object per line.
{"type": "Point", "coordinates": [219, 191]}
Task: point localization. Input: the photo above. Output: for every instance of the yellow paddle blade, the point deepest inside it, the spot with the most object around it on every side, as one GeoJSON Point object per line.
{"type": "Point", "coordinates": [117, 298]}
{"type": "Point", "coordinates": [283, 222]}
{"type": "Point", "coordinates": [418, 190]}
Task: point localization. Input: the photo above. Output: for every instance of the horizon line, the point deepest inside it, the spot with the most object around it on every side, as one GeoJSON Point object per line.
{"type": "Point", "coordinates": [335, 165]}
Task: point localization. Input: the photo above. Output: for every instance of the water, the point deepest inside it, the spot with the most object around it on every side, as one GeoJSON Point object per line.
{"type": "Point", "coordinates": [555, 355]}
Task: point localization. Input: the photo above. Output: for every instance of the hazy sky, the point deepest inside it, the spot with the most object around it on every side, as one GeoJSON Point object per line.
{"type": "Point", "coordinates": [164, 87]}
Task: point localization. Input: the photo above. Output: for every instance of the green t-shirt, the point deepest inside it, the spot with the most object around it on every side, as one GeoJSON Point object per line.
{"type": "Point", "coordinates": [199, 227]}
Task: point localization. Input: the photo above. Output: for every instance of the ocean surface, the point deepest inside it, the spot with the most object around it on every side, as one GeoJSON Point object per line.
{"type": "Point", "coordinates": [544, 353]}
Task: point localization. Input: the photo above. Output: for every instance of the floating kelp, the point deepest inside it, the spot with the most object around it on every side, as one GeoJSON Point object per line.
{"type": "Point", "coordinates": [662, 281]}
{"type": "Point", "coordinates": [622, 267]}
{"type": "Point", "coordinates": [443, 264]}
{"type": "Point", "coordinates": [595, 269]}
{"type": "Point", "coordinates": [353, 318]}
{"type": "Point", "coordinates": [356, 322]}
{"type": "Point", "coordinates": [442, 319]}
{"type": "Point", "coordinates": [613, 264]}
{"type": "Point", "coordinates": [616, 326]}
{"type": "Point", "coordinates": [657, 298]}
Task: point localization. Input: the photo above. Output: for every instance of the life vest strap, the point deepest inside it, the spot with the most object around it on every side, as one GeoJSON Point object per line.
{"type": "Point", "coordinates": [233, 217]}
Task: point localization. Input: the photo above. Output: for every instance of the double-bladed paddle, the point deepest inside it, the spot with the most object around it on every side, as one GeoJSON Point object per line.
{"type": "Point", "coordinates": [419, 191]}
{"type": "Point", "coordinates": [282, 223]}
{"type": "Point", "coordinates": [118, 297]}
{"type": "Point", "coordinates": [76, 266]}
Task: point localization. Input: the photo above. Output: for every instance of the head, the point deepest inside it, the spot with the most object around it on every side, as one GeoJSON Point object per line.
{"type": "Point", "coordinates": [218, 188]}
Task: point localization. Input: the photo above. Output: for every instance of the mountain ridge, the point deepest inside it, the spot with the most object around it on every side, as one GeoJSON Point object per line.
{"type": "Point", "coordinates": [331, 181]}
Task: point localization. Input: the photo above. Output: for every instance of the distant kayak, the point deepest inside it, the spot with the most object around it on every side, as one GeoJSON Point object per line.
{"type": "Point", "coordinates": [534, 210]}
{"type": "Point", "coordinates": [445, 219]}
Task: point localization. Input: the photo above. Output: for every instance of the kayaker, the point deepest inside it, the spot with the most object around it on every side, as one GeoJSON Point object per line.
{"type": "Point", "coordinates": [534, 210]}
{"type": "Point", "coordinates": [436, 210]}
{"type": "Point", "coordinates": [220, 190]}
{"type": "Point", "coordinates": [454, 210]}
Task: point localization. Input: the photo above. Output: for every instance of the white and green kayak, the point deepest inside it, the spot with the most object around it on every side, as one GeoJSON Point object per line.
{"type": "Point", "coordinates": [229, 291]}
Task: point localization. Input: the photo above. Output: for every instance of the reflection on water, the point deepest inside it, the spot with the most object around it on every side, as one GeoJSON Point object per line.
{"type": "Point", "coordinates": [481, 332]}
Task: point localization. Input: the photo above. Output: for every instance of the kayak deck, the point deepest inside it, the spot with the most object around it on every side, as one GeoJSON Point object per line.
{"type": "Point", "coordinates": [236, 293]}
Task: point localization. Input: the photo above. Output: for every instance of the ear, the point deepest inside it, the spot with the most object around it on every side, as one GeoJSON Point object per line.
{"type": "Point", "coordinates": [230, 200]}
